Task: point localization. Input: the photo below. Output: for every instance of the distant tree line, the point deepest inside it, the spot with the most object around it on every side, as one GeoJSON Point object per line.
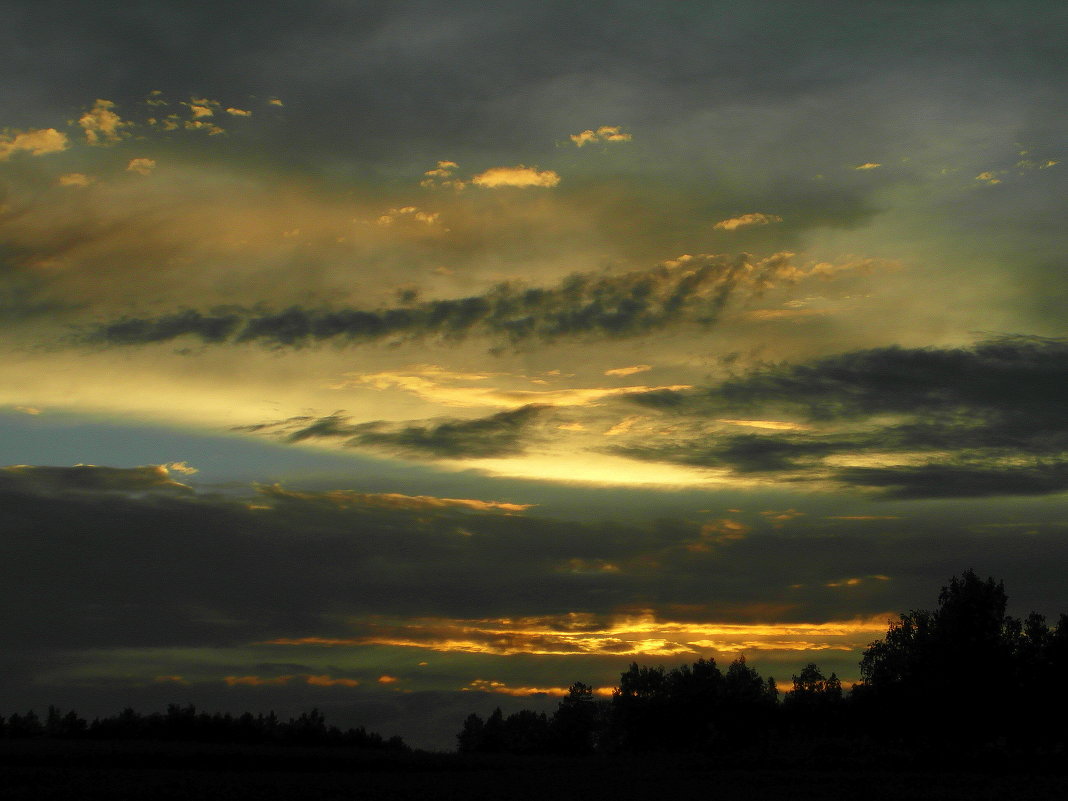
{"type": "Point", "coordinates": [185, 724]}
{"type": "Point", "coordinates": [964, 678]}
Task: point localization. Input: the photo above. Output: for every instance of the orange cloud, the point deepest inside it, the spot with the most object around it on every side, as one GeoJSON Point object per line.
{"type": "Point", "coordinates": [74, 179]}
{"type": "Point", "coordinates": [519, 176]}
{"type": "Point", "coordinates": [606, 133]}
{"type": "Point", "coordinates": [499, 687]}
{"type": "Point", "coordinates": [745, 220]}
{"type": "Point", "coordinates": [141, 166]}
{"type": "Point", "coordinates": [394, 500]}
{"type": "Point", "coordinates": [103, 126]}
{"type": "Point", "coordinates": [38, 142]}
{"type": "Point", "coordinates": [578, 634]}
{"type": "Point", "coordinates": [625, 371]}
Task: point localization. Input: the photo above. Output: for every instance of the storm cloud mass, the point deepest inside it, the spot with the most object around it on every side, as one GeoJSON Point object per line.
{"type": "Point", "coordinates": [402, 358]}
{"type": "Point", "coordinates": [985, 420]}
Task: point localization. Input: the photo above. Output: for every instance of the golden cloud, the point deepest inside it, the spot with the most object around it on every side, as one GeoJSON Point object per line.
{"type": "Point", "coordinates": [74, 179]}
{"type": "Point", "coordinates": [756, 218]}
{"type": "Point", "coordinates": [408, 213]}
{"type": "Point", "coordinates": [344, 499]}
{"type": "Point", "coordinates": [625, 371]}
{"type": "Point", "coordinates": [179, 467]}
{"type": "Point", "coordinates": [435, 384]}
{"type": "Point", "coordinates": [441, 177]}
{"type": "Point", "coordinates": [868, 165]}
{"type": "Point", "coordinates": [141, 166]}
{"type": "Point", "coordinates": [238, 112]}
{"type": "Point", "coordinates": [772, 425]}
{"type": "Point", "coordinates": [103, 126]}
{"type": "Point", "coordinates": [582, 634]}
{"type": "Point", "coordinates": [519, 176]}
{"type": "Point", "coordinates": [606, 133]}
{"type": "Point", "coordinates": [499, 687]}
{"type": "Point", "coordinates": [37, 142]}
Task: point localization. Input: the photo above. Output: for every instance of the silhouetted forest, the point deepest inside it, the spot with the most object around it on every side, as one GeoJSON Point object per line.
{"type": "Point", "coordinates": [185, 724]}
{"type": "Point", "coordinates": [964, 679]}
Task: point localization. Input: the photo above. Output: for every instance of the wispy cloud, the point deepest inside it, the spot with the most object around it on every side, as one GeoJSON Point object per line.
{"type": "Point", "coordinates": [501, 434]}
{"type": "Point", "coordinates": [687, 290]}
{"type": "Point", "coordinates": [746, 220]}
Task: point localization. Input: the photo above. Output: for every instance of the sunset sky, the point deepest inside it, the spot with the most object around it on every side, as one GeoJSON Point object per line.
{"type": "Point", "coordinates": [407, 359]}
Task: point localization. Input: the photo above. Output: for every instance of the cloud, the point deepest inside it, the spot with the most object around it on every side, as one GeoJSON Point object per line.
{"type": "Point", "coordinates": [868, 165]}
{"type": "Point", "coordinates": [408, 213]}
{"type": "Point", "coordinates": [643, 634]}
{"type": "Point", "coordinates": [501, 434]}
{"type": "Point", "coordinates": [343, 499]}
{"type": "Point", "coordinates": [949, 480]}
{"type": "Point", "coordinates": [988, 177]}
{"type": "Point", "coordinates": [625, 371]}
{"type": "Point", "coordinates": [238, 112]}
{"type": "Point", "coordinates": [441, 177]}
{"type": "Point", "coordinates": [745, 220]}
{"type": "Point", "coordinates": [518, 176]}
{"type": "Point", "coordinates": [141, 166]}
{"type": "Point", "coordinates": [103, 126]}
{"type": "Point", "coordinates": [460, 389]}
{"type": "Point", "coordinates": [904, 423]}
{"type": "Point", "coordinates": [180, 467]}
{"type": "Point", "coordinates": [38, 142]}
{"type": "Point", "coordinates": [87, 478]}
{"type": "Point", "coordinates": [74, 179]}
{"type": "Point", "coordinates": [200, 125]}
{"type": "Point", "coordinates": [606, 133]}
{"type": "Point", "coordinates": [689, 290]}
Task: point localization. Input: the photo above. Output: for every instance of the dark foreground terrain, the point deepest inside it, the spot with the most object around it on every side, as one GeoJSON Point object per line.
{"type": "Point", "coordinates": [186, 772]}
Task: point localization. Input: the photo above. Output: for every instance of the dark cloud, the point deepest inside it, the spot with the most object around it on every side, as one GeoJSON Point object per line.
{"type": "Point", "coordinates": [1008, 378]}
{"type": "Point", "coordinates": [582, 305]}
{"type": "Point", "coordinates": [960, 480]}
{"type": "Point", "coordinates": [87, 478]}
{"type": "Point", "coordinates": [132, 331]}
{"type": "Point", "coordinates": [105, 590]}
{"type": "Point", "coordinates": [501, 434]}
{"type": "Point", "coordinates": [986, 420]}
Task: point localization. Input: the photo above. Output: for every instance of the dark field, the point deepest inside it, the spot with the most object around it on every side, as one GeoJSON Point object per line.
{"type": "Point", "coordinates": [49, 770]}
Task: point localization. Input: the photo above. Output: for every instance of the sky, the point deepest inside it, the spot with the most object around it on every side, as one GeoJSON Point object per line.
{"type": "Point", "coordinates": [408, 359]}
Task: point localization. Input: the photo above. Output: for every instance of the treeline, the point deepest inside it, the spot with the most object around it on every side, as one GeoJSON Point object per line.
{"type": "Point", "coordinates": [964, 678]}
{"type": "Point", "coordinates": [185, 724]}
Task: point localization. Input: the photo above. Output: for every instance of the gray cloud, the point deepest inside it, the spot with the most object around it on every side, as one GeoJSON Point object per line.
{"type": "Point", "coordinates": [500, 434]}
{"type": "Point", "coordinates": [104, 589]}
{"type": "Point", "coordinates": [87, 479]}
{"type": "Point", "coordinates": [692, 291]}
{"type": "Point", "coordinates": [987, 419]}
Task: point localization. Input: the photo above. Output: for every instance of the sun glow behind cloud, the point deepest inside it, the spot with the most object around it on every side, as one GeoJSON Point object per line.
{"type": "Point", "coordinates": [585, 635]}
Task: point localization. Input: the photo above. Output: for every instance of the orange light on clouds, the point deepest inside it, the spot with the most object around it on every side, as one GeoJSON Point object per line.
{"type": "Point", "coordinates": [499, 687]}
{"type": "Point", "coordinates": [581, 634]}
